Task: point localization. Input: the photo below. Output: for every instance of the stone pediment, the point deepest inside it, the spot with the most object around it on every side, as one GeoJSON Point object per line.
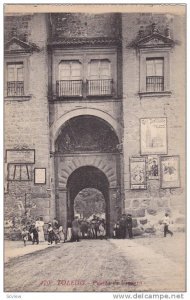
{"type": "Point", "coordinates": [154, 40]}
{"type": "Point", "coordinates": [15, 46]}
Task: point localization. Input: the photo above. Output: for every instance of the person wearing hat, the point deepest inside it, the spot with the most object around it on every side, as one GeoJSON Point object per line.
{"type": "Point", "coordinates": [129, 223]}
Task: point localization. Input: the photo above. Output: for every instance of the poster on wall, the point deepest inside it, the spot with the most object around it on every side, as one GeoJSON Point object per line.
{"type": "Point", "coordinates": [40, 176]}
{"type": "Point", "coordinates": [153, 167]}
{"type": "Point", "coordinates": [138, 173]}
{"type": "Point", "coordinates": [170, 174]}
{"type": "Point", "coordinates": [153, 134]}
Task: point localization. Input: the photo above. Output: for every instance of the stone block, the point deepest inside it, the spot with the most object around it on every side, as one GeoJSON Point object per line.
{"type": "Point", "coordinates": [151, 211]}
{"type": "Point", "coordinates": [145, 203]}
{"type": "Point", "coordinates": [150, 229]}
{"type": "Point", "coordinates": [137, 231]}
{"type": "Point", "coordinates": [135, 203]}
{"type": "Point", "coordinates": [143, 221]}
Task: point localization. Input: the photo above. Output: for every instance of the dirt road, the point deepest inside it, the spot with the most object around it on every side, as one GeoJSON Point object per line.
{"type": "Point", "coordinates": [94, 265]}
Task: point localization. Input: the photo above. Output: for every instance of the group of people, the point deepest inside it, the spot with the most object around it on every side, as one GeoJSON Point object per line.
{"type": "Point", "coordinates": [55, 232]}
{"type": "Point", "coordinates": [78, 228]}
{"type": "Point", "coordinates": [123, 227]}
{"type": "Point", "coordinates": [83, 228]}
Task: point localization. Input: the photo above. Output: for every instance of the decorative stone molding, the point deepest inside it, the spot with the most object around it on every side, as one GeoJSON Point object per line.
{"type": "Point", "coordinates": [17, 46]}
{"type": "Point", "coordinates": [153, 39]}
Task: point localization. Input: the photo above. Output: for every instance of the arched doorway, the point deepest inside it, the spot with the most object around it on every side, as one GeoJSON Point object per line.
{"type": "Point", "coordinates": [87, 156]}
{"type": "Point", "coordinates": [87, 177]}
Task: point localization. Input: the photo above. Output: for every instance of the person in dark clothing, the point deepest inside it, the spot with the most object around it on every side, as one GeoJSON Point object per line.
{"type": "Point", "coordinates": [166, 223]}
{"type": "Point", "coordinates": [122, 226]}
{"type": "Point", "coordinates": [75, 229]}
{"type": "Point", "coordinates": [50, 234]}
{"type": "Point", "coordinates": [84, 228]}
{"type": "Point", "coordinates": [96, 227]}
{"type": "Point", "coordinates": [129, 223]}
{"type": "Point", "coordinates": [93, 225]}
{"type": "Point", "coordinates": [34, 232]}
{"type": "Point", "coordinates": [55, 224]}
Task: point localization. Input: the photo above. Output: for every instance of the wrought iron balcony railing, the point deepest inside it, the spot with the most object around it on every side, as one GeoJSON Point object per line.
{"type": "Point", "coordinates": [100, 87]}
{"type": "Point", "coordinates": [15, 88]}
{"type": "Point", "coordinates": [78, 88]}
{"type": "Point", "coordinates": [154, 83]}
{"type": "Point", "coordinates": [70, 88]}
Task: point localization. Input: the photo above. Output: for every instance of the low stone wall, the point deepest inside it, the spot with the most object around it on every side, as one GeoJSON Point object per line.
{"type": "Point", "coordinates": [149, 221]}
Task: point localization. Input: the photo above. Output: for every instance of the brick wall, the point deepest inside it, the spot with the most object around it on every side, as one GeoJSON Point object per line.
{"type": "Point", "coordinates": [27, 122]}
{"type": "Point", "coordinates": [172, 107]}
{"type": "Point", "coordinates": [86, 25]}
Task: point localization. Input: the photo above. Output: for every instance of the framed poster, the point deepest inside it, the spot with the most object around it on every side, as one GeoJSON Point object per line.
{"type": "Point", "coordinates": [153, 167]}
{"type": "Point", "coordinates": [138, 173]}
{"type": "Point", "coordinates": [40, 176]}
{"type": "Point", "coordinates": [20, 156]}
{"type": "Point", "coordinates": [153, 136]}
{"type": "Point", "coordinates": [170, 173]}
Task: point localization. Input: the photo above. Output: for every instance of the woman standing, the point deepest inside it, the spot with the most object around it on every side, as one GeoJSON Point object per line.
{"type": "Point", "coordinates": [39, 225]}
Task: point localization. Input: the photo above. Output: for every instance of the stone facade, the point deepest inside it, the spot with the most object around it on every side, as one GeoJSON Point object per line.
{"type": "Point", "coordinates": [34, 120]}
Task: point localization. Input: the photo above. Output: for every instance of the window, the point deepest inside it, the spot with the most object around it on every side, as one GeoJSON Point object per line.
{"type": "Point", "coordinates": [15, 79]}
{"type": "Point", "coordinates": [155, 74]}
{"type": "Point", "coordinates": [99, 77]}
{"type": "Point", "coordinates": [70, 82]}
{"type": "Point", "coordinates": [19, 172]}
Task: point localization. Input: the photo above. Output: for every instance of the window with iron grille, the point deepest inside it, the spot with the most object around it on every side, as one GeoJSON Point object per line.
{"type": "Point", "coordinates": [15, 79]}
{"type": "Point", "coordinates": [155, 74]}
{"type": "Point", "coordinates": [99, 77]}
{"type": "Point", "coordinates": [70, 78]}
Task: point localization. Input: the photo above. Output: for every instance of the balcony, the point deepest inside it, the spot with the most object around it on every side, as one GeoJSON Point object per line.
{"type": "Point", "coordinates": [15, 88]}
{"type": "Point", "coordinates": [79, 88]}
{"type": "Point", "coordinates": [99, 87]}
{"type": "Point", "coordinates": [154, 83]}
{"type": "Point", "coordinates": [69, 88]}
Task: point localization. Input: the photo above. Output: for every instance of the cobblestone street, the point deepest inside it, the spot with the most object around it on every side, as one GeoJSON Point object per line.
{"type": "Point", "coordinates": [143, 264]}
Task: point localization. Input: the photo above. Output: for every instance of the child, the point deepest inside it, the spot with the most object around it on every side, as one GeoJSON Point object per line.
{"type": "Point", "coordinates": [25, 235]}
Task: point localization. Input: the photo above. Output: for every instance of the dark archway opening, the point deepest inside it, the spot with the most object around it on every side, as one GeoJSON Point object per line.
{"type": "Point", "coordinates": [87, 177]}
{"type": "Point", "coordinates": [86, 134]}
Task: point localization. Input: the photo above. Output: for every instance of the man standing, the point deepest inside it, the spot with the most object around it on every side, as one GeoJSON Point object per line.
{"type": "Point", "coordinates": [166, 223]}
{"type": "Point", "coordinates": [75, 229]}
{"type": "Point", "coordinates": [129, 225]}
{"type": "Point", "coordinates": [122, 226]}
